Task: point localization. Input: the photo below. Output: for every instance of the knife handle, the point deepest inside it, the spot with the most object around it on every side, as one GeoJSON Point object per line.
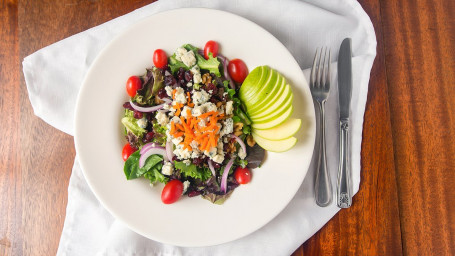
{"type": "Point", "coordinates": [344, 189]}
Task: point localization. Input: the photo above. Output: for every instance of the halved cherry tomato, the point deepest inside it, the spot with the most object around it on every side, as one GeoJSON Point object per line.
{"type": "Point", "coordinates": [242, 175]}
{"type": "Point", "coordinates": [210, 46]}
{"type": "Point", "coordinates": [133, 84]}
{"type": "Point", "coordinates": [172, 191]}
{"type": "Point", "coordinates": [237, 70]}
{"type": "Point", "coordinates": [127, 151]}
{"type": "Point", "coordinates": [159, 58]}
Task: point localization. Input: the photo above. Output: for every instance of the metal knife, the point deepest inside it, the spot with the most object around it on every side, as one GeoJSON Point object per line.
{"type": "Point", "coordinates": [344, 186]}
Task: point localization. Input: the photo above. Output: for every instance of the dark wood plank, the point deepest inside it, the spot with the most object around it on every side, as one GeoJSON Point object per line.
{"type": "Point", "coordinates": [420, 60]}
{"type": "Point", "coordinates": [10, 173]}
{"type": "Point", "coordinates": [371, 226]}
{"type": "Point", "coordinates": [47, 154]}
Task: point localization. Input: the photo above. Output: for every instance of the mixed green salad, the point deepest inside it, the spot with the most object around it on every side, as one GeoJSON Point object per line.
{"type": "Point", "coordinates": [186, 127]}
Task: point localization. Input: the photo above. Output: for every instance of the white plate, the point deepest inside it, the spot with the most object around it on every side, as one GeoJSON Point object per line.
{"type": "Point", "coordinates": [99, 139]}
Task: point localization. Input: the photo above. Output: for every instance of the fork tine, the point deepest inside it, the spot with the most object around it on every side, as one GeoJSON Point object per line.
{"type": "Point", "coordinates": [327, 79]}
{"type": "Point", "coordinates": [319, 75]}
{"type": "Point", "coordinates": [313, 69]}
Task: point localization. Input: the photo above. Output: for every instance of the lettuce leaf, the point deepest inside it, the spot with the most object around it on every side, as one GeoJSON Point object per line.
{"type": "Point", "coordinates": [193, 171]}
{"type": "Point", "coordinates": [212, 64]}
{"type": "Point", "coordinates": [131, 125]}
{"type": "Point", "coordinates": [175, 64]}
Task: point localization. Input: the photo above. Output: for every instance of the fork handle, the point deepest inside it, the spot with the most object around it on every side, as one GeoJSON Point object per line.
{"type": "Point", "coordinates": [344, 189]}
{"type": "Point", "coordinates": [323, 190]}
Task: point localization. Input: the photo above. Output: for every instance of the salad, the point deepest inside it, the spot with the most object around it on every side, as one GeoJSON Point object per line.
{"type": "Point", "coordinates": [186, 126]}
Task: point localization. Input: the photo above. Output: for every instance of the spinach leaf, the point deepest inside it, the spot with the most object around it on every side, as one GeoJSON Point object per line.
{"type": "Point", "coordinates": [131, 165]}
{"type": "Point", "coordinates": [153, 163]}
{"type": "Point", "coordinates": [154, 174]}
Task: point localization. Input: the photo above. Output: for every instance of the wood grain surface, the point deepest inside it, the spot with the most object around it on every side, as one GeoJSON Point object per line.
{"type": "Point", "coordinates": [405, 205]}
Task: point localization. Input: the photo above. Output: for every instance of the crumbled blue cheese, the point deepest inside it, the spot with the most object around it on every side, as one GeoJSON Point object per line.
{"type": "Point", "coordinates": [142, 123]}
{"type": "Point", "coordinates": [162, 118]}
{"type": "Point", "coordinates": [184, 112]}
{"type": "Point", "coordinates": [186, 185]}
{"type": "Point", "coordinates": [197, 111]}
{"type": "Point", "coordinates": [167, 169]}
{"type": "Point", "coordinates": [210, 153]}
{"type": "Point", "coordinates": [177, 141]}
{"type": "Point", "coordinates": [218, 158]}
{"type": "Point", "coordinates": [179, 52]}
{"type": "Point", "coordinates": [200, 97]}
{"type": "Point", "coordinates": [187, 162]}
{"type": "Point", "coordinates": [229, 107]}
{"type": "Point", "coordinates": [176, 120]}
{"type": "Point", "coordinates": [180, 96]}
{"type": "Point", "coordinates": [168, 90]}
{"type": "Point", "coordinates": [209, 106]}
{"type": "Point", "coordinates": [228, 127]}
{"type": "Point", "coordinates": [187, 57]}
{"type": "Point", "coordinates": [242, 154]}
{"type": "Point", "coordinates": [182, 153]}
{"type": "Point", "coordinates": [197, 78]}
{"type": "Point", "coordinates": [189, 84]}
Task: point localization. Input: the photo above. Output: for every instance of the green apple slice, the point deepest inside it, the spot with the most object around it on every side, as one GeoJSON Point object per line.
{"type": "Point", "coordinates": [271, 98]}
{"type": "Point", "coordinates": [273, 113]}
{"type": "Point", "coordinates": [259, 75]}
{"type": "Point", "coordinates": [274, 122]}
{"type": "Point", "coordinates": [263, 90]}
{"type": "Point", "coordinates": [277, 106]}
{"type": "Point", "coordinates": [275, 145]}
{"type": "Point", "coordinates": [282, 131]}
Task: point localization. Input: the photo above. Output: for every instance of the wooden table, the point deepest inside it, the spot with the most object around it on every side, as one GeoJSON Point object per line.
{"type": "Point", "coordinates": [406, 201]}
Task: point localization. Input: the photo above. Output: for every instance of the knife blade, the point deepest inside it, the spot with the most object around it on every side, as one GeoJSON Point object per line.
{"type": "Point", "coordinates": [344, 187]}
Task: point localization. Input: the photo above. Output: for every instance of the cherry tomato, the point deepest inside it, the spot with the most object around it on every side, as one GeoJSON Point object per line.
{"type": "Point", "coordinates": [172, 191]}
{"type": "Point", "coordinates": [159, 58]}
{"type": "Point", "coordinates": [242, 175]}
{"type": "Point", "coordinates": [237, 70]}
{"type": "Point", "coordinates": [210, 46]}
{"type": "Point", "coordinates": [127, 151]}
{"type": "Point", "coordinates": [133, 84]}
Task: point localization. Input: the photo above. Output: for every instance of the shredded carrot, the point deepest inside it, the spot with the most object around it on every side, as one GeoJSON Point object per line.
{"type": "Point", "coordinates": [173, 93]}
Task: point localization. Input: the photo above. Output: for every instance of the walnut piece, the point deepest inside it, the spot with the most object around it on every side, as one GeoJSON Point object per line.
{"type": "Point", "coordinates": [250, 141]}
{"type": "Point", "coordinates": [206, 78]}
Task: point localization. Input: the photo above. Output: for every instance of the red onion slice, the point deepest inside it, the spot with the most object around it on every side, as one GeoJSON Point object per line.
{"type": "Point", "coordinates": [211, 167]}
{"type": "Point", "coordinates": [147, 146]}
{"type": "Point", "coordinates": [225, 175]}
{"type": "Point", "coordinates": [169, 151]}
{"type": "Point", "coordinates": [146, 109]}
{"type": "Point", "coordinates": [240, 141]}
{"type": "Point", "coordinates": [225, 70]}
{"type": "Point", "coordinates": [152, 151]}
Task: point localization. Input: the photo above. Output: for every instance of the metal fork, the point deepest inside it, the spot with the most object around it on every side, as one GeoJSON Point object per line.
{"type": "Point", "coordinates": [320, 87]}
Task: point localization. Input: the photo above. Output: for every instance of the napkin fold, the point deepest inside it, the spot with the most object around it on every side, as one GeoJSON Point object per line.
{"type": "Point", "coordinates": [55, 73]}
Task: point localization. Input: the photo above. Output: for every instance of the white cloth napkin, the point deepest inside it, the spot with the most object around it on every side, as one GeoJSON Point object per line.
{"type": "Point", "coordinates": [54, 75]}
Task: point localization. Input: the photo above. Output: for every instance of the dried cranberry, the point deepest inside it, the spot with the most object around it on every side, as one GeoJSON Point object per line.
{"type": "Point", "coordinates": [193, 193]}
{"type": "Point", "coordinates": [188, 76]}
{"type": "Point", "coordinates": [181, 74]}
{"type": "Point", "coordinates": [198, 161]}
{"type": "Point", "coordinates": [216, 165]}
{"type": "Point", "coordinates": [212, 87]}
{"type": "Point", "coordinates": [127, 105]}
{"type": "Point", "coordinates": [174, 158]}
{"type": "Point", "coordinates": [137, 114]}
{"type": "Point", "coordinates": [149, 136]}
{"type": "Point", "coordinates": [162, 93]}
{"type": "Point", "coordinates": [169, 80]}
